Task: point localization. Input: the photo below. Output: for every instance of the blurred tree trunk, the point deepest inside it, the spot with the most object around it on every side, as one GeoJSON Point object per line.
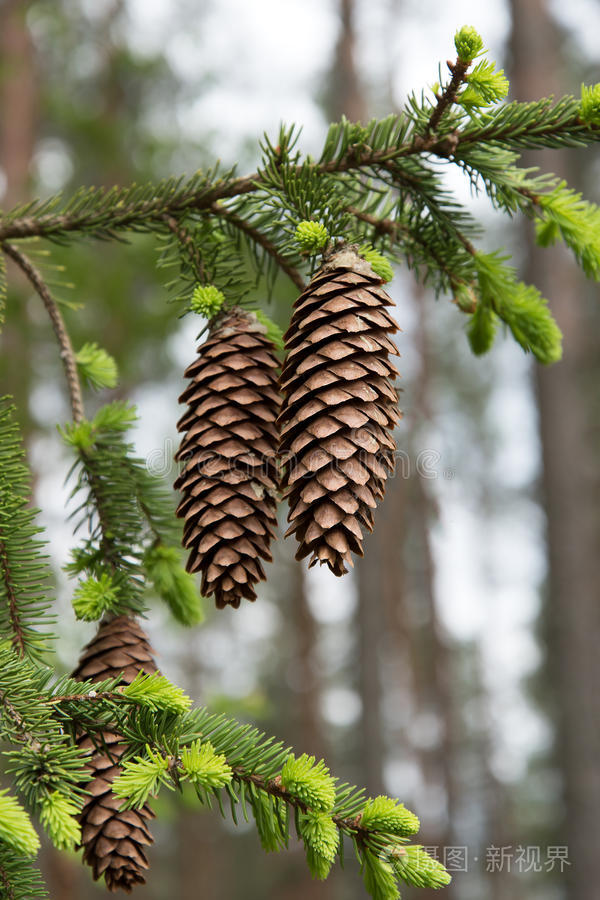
{"type": "Point", "coordinates": [19, 110]}
{"type": "Point", "coordinates": [570, 494]}
{"type": "Point", "coordinates": [346, 97]}
{"type": "Point", "coordinates": [307, 717]}
{"type": "Point", "coordinates": [431, 656]}
{"type": "Point", "coordinates": [18, 101]}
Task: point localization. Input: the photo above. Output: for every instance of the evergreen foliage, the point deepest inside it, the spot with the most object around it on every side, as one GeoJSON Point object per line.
{"type": "Point", "coordinates": [378, 185]}
{"type": "Point", "coordinates": [97, 368]}
{"type": "Point", "coordinates": [24, 574]}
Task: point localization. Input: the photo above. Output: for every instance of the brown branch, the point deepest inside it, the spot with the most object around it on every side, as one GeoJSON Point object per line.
{"type": "Point", "coordinates": [92, 697]}
{"type": "Point", "coordinates": [276, 789]}
{"type": "Point", "coordinates": [458, 69]}
{"type": "Point", "coordinates": [66, 348]}
{"type": "Point", "coordinates": [24, 736]}
{"type": "Point", "coordinates": [18, 638]}
{"type": "Point", "coordinates": [7, 886]}
{"type": "Point", "coordinates": [259, 238]}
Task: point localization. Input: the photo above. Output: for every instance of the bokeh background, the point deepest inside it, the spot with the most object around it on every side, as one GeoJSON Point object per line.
{"type": "Point", "coordinates": [457, 667]}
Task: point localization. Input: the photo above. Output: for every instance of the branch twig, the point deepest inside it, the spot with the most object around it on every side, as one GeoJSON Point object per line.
{"type": "Point", "coordinates": [18, 639]}
{"type": "Point", "coordinates": [187, 242]}
{"type": "Point", "coordinates": [141, 213]}
{"type": "Point", "coordinates": [392, 228]}
{"type": "Point", "coordinates": [24, 736]}
{"type": "Point", "coordinates": [259, 238]}
{"type": "Point", "coordinates": [458, 69]}
{"type": "Point", "coordinates": [66, 348]}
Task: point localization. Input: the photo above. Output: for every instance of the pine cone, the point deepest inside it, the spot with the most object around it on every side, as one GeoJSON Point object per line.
{"type": "Point", "coordinates": [339, 408]}
{"type": "Point", "coordinates": [113, 839]}
{"type": "Point", "coordinates": [230, 479]}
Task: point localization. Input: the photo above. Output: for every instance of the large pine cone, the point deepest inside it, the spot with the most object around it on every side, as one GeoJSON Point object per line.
{"type": "Point", "coordinates": [113, 840]}
{"type": "Point", "coordinates": [339, 408]}
{"type": "Point", "coordinates": [230, 479]}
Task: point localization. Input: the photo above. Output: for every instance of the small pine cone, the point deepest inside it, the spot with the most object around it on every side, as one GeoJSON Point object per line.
{"type": "Point", "coordinates": [113, 839]}
{"type": "Point", "coordinates": [230, 477]}
{"type": "Point", "coordinates": [339, 408]}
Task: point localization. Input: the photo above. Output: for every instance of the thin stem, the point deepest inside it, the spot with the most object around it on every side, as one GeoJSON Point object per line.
{"type": "Point", "coordinates": [18, 638]}
{"type": "Point", "coordinates": [80, 698]}
{"type": "Point", "coordinates": [458, 69]}
{"type": "Point", "coordinates": [23, 735]}
{"type": "Point", "coordinates": [259, 238]}
{"type": "Point", "coordinates": [66, 348]}
{"type": "Point", "coordinates": [276, 789]}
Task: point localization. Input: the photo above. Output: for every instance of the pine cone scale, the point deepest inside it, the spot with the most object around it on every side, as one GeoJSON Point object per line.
{"type": "Point", "coordinates": [230, 479]}
{"type": "Point", "coordinates": [113, 839]}
{"type": "Point", "coordinates": [339, 409]}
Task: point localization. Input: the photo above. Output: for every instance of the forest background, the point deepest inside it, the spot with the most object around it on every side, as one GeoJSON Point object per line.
{"type": "Point", "coordinates": [457, 666]}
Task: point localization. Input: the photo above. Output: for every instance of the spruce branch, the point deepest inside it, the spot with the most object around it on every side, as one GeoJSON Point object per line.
{"type": "Point", "coordinates": [18, 638]}
{"type": "Point", "coordinates": [19, 879]}
{"type": "Point", "coordinates": [24, 573]}
{"type": "Point", "coordinates": [19, 728]}
{"type": "Point", "coordinates": [220, 756]}
{"type": "Point", "coordinates": [109, 214]}
{"type": "Point", "coordinates": [67, 353]}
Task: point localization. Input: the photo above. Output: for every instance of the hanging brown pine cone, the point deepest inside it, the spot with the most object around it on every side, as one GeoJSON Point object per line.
{"type": "Point", "coordinates": [339, 408]}
{"type": "Point", "coordinates": [113, 839]}
{"type": "Point", "coordinates": [230, 480]}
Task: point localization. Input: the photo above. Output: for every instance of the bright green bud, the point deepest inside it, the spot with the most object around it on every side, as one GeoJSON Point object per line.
{"type": "Point", "coordinates": [204, 767]}
{"type": "Point", "coordinates": [484, 86]}
{"type": "Point", "coordinates": [309, 782]}
{"type": "Point", "coordinates": [157, 692]}
{"type": "Point", "coordinates": [589, 109]}
{"type": "Point", "coordinates": [58, 818]}
{"type": "Point", "coordinates": [207, 300]}
{"type": "Point", "coordinates": [379, 878]}
{"type": "Point", "coordinates": [481, 329]}
{"type": "Point", "coordinates": [80, 437]}
{"type": "Point", "coordinates": [173, 584]}
{"type": "Point", "coordinates": [547, 232]}
{"type": "Point", "coordinates": [357, 134]}
{"type": "Point", "coordinates": [465, 297]}
{"type": "Point", "coordinates": [468, 43]}
{"type": "Point", "coordinates": [273, 331]}
{"type": "Point", "coordinates": [312, 236]}
{"type": "Point", "coordinates": [141, 777]}
{"type": "Point", "coordinates": [321, 839]}
{"type": "Point", "coordinates": [15, 826]}
{"type": "Point", "coordinates": [97, 367]}
{"type": "Point", "coordinates": [116, 416]}
{"type": "Point", "coordinates": [533, 325]}
{"type": "Point", "coordinates": [94, 597]}
{"type": "Point", "coordinates": [378, 262]}
{"type": "Point", "coordinates": [415, 866]}
{"type": "Point", "coordinates": [385, 814]}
